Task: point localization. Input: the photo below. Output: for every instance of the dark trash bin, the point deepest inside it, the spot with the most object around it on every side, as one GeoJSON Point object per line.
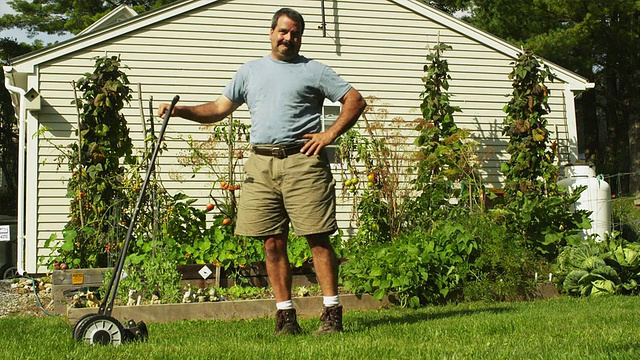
{"type": "Point", "coordinates": [8, 247]}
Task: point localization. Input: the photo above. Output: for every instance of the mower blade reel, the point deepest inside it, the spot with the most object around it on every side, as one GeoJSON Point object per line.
{"type": "Point", "coordinates": [137, 331]}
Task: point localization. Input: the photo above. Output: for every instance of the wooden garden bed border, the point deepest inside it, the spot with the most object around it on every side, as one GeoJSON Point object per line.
{"type": "Point", "coordinates": [228, 310]}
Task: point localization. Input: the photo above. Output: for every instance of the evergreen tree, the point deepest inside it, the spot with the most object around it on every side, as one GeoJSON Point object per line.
{"type": "Point", "coordinates": [66, 16]}
{"type": "Point", "coordinates": [599, 40]}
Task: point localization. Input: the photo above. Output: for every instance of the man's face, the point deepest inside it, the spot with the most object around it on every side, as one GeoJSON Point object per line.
{"type": "Point", "coordinates": [285, 39]}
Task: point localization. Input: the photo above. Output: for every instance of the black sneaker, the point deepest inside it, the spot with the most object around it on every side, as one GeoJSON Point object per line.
{"type": "Point", "coordinates": [287, 322]}
{"type": "Point", "coordinates": [331, 320]}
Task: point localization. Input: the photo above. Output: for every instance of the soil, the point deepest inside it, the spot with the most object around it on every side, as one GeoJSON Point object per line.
{"type": "Point", "coordinates": [17, 297]}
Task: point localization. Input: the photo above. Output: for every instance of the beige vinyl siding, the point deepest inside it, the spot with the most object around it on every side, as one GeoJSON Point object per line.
{"type": "Point", "coordinates": [378, 46]}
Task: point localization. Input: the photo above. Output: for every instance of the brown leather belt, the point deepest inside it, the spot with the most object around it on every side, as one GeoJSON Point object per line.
{"type": "Point", "coordinates": [277, 151]}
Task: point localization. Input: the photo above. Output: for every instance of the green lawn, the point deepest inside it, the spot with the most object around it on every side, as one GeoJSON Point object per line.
{"type": "Point", "coordinates": [561, 328]}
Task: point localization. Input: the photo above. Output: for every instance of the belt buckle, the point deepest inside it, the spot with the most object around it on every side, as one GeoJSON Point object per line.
{"type": "Point", "coordinates": [279, 152]}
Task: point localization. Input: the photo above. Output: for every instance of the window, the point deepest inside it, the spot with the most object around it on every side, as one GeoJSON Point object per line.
{"type": "Point", "coordinates": [330, 112]}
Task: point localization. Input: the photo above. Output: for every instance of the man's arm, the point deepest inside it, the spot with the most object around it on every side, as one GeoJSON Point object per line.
{"type": "Point", "coordinates": [207, 113]}
{"type": "Point", "coordinates": [352, 107]}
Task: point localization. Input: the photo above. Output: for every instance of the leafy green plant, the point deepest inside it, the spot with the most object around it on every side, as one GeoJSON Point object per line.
{"type": "Point", "coordinates": [408, 240]}
{"type": "Point", "coordinates": [375, 158]}
{"type": "Point", "coordinates": [233, 252]}
{"type": "Point", "coordinates": [624, 258]}
{"type": "Point", "coordinates": [418, 267]}
{"type": "Point", "coordinates": [187, 238]}
{"type": "Point", "coordinates": [96, 161]}
{"type": "Point", "coordinates": [540, 209]}
{"type": "Point", "coordinates": [298, 250]}
{"type": "Point", "coordinates": [157, 275]}
{"type": "Point", "coordinates": [447, 160]}
{"type": "Point", "coordinates": [504, 268]}
{"type": "Point", "coordinates": [547, 222]}
{"type": "Point", "coordinates": [238, 292]}
{"type": "Point", "coordinates": [180, 236]}
{"type": "Point", "coordinates": [594, 277]}
{"type": "Point", "coordinates": [105, 192]}
{"type": "Point", "coordinates": [530, 170]}
{"type": "Point", "coordinates": [227, 140]}
{"type": "Point", "coordinates": [611, 266]}
{"type": "Point", "coordinates": [407, 188]}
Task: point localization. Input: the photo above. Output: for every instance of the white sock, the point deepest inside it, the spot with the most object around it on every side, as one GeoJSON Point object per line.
{"type": "Point", "coordinates": [330, 300]}
{"type": "Point", "coordinates": [284, 305]}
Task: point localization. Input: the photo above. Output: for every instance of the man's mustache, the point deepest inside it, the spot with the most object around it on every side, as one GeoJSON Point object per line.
{"type": "Point", "coordinates": [285, 42]}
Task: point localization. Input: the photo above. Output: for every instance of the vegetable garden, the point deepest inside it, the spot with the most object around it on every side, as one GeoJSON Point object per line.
{"type": "Point", "coordinates": [425, 232]}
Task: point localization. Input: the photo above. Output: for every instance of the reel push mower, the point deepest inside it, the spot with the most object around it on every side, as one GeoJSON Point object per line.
{"type": "Point", "coordinates": [102, 328]}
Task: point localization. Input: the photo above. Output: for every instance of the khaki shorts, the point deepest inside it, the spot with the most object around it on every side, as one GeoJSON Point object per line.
{"type": "Point", "coordinates": [297, 188]}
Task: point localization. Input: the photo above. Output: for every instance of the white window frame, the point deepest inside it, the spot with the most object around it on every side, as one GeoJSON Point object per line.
{"type": "Point", "coordinates": [330, 112]}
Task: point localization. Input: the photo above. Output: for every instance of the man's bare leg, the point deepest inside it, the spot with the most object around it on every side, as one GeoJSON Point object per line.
{"type": "Point", "coordinates": [325, 263]}
{"type": "Point", "coordinates": [278, 268]}
{"type": "Point", "coordinates": [279, 273]}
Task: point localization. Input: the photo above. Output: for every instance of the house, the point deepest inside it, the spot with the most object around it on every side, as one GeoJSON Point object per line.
{"type": "Point", "coordinates": [193, 47]}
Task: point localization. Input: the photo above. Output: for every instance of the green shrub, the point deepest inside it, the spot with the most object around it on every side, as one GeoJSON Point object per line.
{"type": "Point", "coordinates": [419, 267]}
{"type": "Point", "coordinates": [626, 218]}
{"type": "Point", "coordinates": [505, 268]}
{"type": "Point", "coordinates": [158, 274]}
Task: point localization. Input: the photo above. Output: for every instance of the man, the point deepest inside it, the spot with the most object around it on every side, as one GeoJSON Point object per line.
{"type": "Point", "coordinates": [288, 178]}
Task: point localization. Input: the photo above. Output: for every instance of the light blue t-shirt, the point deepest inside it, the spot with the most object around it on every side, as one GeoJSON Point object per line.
{"type": "Point", "coordinates": [284, 98]}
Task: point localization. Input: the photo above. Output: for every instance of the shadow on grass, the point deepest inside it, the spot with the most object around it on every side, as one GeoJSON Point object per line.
{"type": "Point", "coordinates": [622, 347]}
{"type": "Point", "coordinates": [410, 317]}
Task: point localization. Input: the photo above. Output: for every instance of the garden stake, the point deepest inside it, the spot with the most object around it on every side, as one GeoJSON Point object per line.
{"type": "Point", "coordinates": [154, 217]}
{"type": "Point", "coordinates": [101, 328]}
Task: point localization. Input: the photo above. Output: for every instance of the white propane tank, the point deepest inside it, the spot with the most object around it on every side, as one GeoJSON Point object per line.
{"type": "Point", "coordinates": [595, 198]}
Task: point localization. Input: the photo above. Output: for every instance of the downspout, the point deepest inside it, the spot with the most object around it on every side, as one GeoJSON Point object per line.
{"type": "Point", "coordinates": [572, 124]}
{"type": "Point", "coordinates": [21, 176]}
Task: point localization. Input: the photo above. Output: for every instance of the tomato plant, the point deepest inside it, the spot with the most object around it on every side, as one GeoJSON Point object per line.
{"type": "Point", "coordinates": [97, 161]}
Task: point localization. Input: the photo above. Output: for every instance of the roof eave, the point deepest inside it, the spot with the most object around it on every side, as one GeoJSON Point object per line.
{"type": "Point", "coordinates": [123, 10]}
{"type": "Point", "coordinates": [28, 62]}
{"type": "Point", "coordinates": [575, 81]}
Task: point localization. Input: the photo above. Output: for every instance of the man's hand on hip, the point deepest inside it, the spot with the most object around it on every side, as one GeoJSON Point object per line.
{"type": "Point", "coordinates": [316, 142]}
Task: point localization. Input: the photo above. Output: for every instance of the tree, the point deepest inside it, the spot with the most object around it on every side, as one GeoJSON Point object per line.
{"type": "Point", "coordinates": [8, 151]}
{"type": "Point", "coordinates": [8, 126]}
{"type": "Point", "coordinates": [450, 6]}
{"type": "Point", "coordinates": [10, 48]}
{"type": "Point", "coordinates": [599, 40]}
{"type": "Point", "coordinates": [66, 16]}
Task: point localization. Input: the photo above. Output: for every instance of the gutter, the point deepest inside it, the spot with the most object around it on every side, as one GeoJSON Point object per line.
{"type": "Point", "coordinates": [20, 260]}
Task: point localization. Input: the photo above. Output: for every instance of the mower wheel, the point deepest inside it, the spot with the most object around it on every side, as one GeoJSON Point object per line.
{"type": "Point", "coordinates": [78, 325]}
{"type": "Point", "coordinates": [102, 330]}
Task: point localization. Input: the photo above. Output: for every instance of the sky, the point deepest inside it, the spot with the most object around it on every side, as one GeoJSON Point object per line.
{"type": "Point", "coordinates": [21, 35]}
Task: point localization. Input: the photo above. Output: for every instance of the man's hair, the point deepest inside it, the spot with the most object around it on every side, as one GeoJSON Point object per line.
{"type": "Point", "coordinates": [291, 14]}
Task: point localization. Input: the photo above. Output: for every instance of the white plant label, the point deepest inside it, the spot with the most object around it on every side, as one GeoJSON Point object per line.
{"type": "Point", "coordinates": [205, 272]}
